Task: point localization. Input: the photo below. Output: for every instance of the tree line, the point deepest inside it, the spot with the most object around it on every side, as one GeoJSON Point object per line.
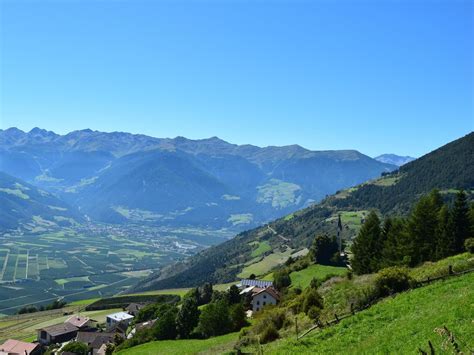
{"type": "Point", "coordinates": [432, 231]}
{"type": "Point", "coordinates": [203, 313]}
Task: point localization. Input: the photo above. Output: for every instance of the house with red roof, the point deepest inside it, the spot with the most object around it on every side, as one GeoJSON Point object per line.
{"type": "Point", "coordinates": [17, 347]}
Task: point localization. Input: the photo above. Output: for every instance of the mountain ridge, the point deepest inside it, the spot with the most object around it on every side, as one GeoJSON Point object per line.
{"type": "Point", "coordinates": [95, 171]}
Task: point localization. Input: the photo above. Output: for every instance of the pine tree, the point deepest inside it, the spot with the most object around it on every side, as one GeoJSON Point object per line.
{"type": "Point", "coordinates": [444, 236]}
{"type": "Point", "coordinates": [396, 242]}
{"type": "Point", "coordinates": [460, 221]}
{"type": "Point", "coordinates": [187, 318]}
{"type": "Point", "coordinates": [422, 227]}
{"type": "Point", "coordinates": [367, 247]}
{"type": "Point", "coordinates": [323, 249]}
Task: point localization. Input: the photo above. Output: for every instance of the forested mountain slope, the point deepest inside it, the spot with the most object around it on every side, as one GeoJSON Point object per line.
{"type": "Point", "coordinates": [125, 178]}
{"type": "Point", "coordinates": [447, 168]}
{"type": "Point", "coordinates": [26, 205]}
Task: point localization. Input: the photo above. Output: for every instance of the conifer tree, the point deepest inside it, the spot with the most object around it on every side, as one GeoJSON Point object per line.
{"type": "Point", "coordinates": [444, 235]}
{"type": "Point", "coordinates": [422, 226]}
{"type": "Point", "coordinates": [460, 221]}
{"type": "Point", "coordinates": [367, 247]}
{"type": "Point", "coordinates": [396, 242]}
{"type": "Point", "coordinates": [187, 318]}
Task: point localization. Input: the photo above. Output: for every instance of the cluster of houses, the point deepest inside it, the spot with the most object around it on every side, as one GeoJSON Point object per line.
{"type": "Point", "coordinates": [76, 328]}
{"type": "Point", "coordinates": [83, 329]}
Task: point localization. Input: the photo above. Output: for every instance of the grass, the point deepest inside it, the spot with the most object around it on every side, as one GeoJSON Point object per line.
{"type": "Point", "coordinates": [261, 248]}
{"type": "Point", "coordinates": [216, 345]}
{"type": "Point", "coordinates": [303, 277]}
{"type": "Point", "coordinates": [397, 325]}
{"type": "Point", "coordinates": [171, 291]}
{"type": "Point", "coordinates": [71, 279]}
{"type": "Point", "coordinates": [243, 218]}
{"type": "Point", "coordinates": [266, 264]}
{"type": "Point", "coordinates": [279, 193]}
{"type": "Point", "coordinates": [15, 192]}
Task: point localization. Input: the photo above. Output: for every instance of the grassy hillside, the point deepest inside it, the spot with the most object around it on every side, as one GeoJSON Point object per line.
{"type": "Point", "coordinates": [216, 345]}
{"type": "Point", "coordinates": [397, 325]}
{"type": "Point", "coordinates": [448, 168]}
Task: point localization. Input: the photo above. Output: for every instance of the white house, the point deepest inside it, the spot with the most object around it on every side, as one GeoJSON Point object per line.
{"type": "Point", "coordinates": [264, 297]}
{"type": "Point", "coordinates": [119, 317]}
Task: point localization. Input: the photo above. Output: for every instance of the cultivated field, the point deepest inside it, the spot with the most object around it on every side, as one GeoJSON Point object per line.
{"type": "Point", "coordinates": [77, 264]}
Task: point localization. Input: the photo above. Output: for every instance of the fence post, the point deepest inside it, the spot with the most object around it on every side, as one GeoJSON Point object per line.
{"type": "Point", "coordinates": [337, 319]}
{"type": "Point", "coordinates": [296, 326]}
{"type": "Point", "coordinates": [352, 308]}
{"type": "Point", "coordinates": [450, 269]}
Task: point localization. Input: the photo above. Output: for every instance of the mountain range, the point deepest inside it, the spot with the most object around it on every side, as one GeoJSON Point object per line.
{"type": "Point", "coordinates": [128, 178]}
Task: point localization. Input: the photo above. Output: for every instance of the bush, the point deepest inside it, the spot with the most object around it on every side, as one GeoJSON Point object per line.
{"type": "Point", "coordinates": [269, 333]}
{"type": "Point", "coordinates": [469, 245]}
{"type": "Point", "coordinates": [312, 299]}
{"type": "Point", "coordinates": [281, 278]}
{"type": "Point", "coordinates": [392, 280]}
{"type": "Point", "coordinates": [215, 319]}
{"type": "Point", "coordinates": [314, 312]}
{"type": "Point", "coordinates": [76, 347]}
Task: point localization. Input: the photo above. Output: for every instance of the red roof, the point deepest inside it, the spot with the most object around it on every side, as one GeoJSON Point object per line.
{"type": "Point", "coordinates": [271, 291]}
{"type": "Point", "coordinates": [17, 347]}
{"type": "Point", "coordinates": [78, 321]}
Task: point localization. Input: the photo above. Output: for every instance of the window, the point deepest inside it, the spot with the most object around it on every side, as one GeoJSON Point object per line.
{"type": "Point", "coordinates": [264, 303]}
{"type": "Point", "coordinates": [258, 302]}
{"type": "Point", "coordinates": [264, 296]}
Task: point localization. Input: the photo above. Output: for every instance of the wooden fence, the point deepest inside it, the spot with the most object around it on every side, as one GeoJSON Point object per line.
{"type": "Point", "coordinates": [354, 310]}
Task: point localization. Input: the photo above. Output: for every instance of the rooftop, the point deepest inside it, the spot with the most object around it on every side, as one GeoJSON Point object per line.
{"type": "Point", "coordinates": [258, 283]}
{"type": "Point", "coordinates": [78, 321]}
{"type": "Point", "coordinates": [119, 316]}
{"type": "Point", "coordinates": [58, 329]}
{"type": "Point", "coordinates": [17, 347]}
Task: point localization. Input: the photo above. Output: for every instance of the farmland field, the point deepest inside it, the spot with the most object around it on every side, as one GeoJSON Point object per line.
{"type": "Point", "coordinates": [87, 262]}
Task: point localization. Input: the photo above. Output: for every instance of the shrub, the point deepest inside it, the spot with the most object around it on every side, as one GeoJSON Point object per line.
{"type": "Point", "coordinates": [392, 280]}
{"type": "Point", "coordinates": [469, 245]}
{"type": "Point", "coordinates": [269, 333]}
{"type": "Point", "coordinates": [76, 347]}
{"type": "Point", "coordinates": [312, 299]}
{"type": "Point", "coordinates": [314, 312]}
{"type": "Point", "coordinates": [281, 278]}
{"type": "Point", "coordinates": [238, 316]}
{"type": "Point", "coordinates": [215, 319]}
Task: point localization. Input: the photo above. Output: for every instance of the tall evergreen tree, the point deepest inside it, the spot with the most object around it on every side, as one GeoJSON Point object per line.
{"type": "Point", "coordinates": [460, 221]}
{"type": "Point", "coordinates": [422, 226]}
{"type": "Point", "coordinates": [444, 236]}
{"type": "Point", "coordinates": [396, 242]}
{"type": "Point", "coordinates": [187, 318]}
{"type": "Point", "coordinates": [367, 247]}
{"type": "Point", "coordinates": [323, 249]}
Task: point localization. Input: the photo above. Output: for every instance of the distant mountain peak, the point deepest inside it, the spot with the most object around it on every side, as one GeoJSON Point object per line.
{"type": "Point", "coordinates": [394, 159]}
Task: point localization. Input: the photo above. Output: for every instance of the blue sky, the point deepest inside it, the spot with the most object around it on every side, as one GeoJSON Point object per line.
{"type": "Point", "coordinates": [377, 76]}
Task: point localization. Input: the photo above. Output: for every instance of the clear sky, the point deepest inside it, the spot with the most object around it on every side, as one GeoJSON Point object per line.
{"type": "Point", "coordinates": [378, 76]}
